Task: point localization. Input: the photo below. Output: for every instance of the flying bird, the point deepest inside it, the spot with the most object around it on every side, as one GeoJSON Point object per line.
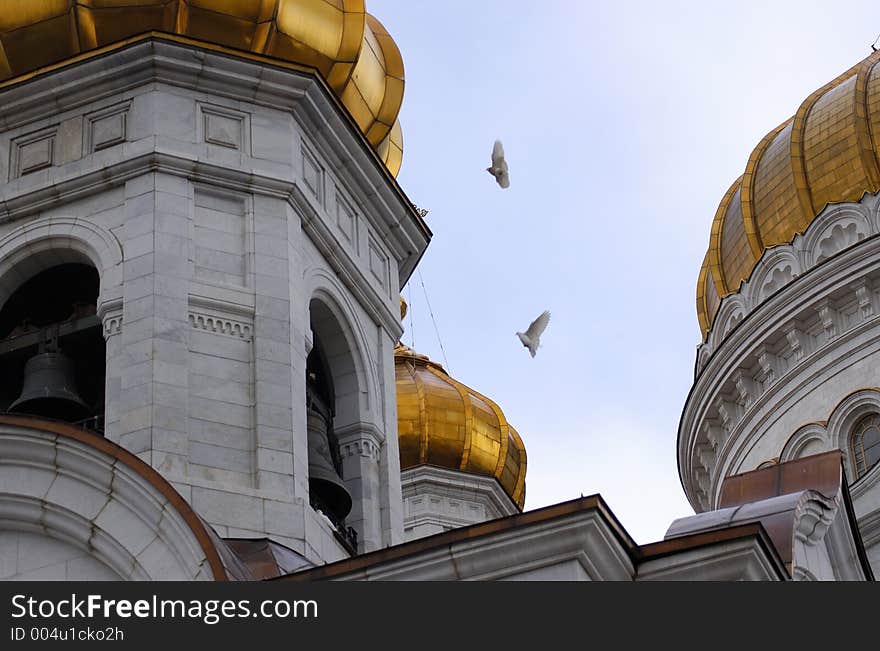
{"type": "Point", "coordinates": [499, 165]}
{"type": "Point", "coordinates": [531, 338]}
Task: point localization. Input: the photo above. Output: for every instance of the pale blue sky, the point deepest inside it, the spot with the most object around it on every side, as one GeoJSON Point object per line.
{"type": "Point", "coordinates": [624, 123]}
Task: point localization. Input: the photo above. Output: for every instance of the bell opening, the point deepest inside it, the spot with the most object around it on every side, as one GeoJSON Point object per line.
{"type": "Point", "coordinates": [326, 486]}
{"type": "Point", "coordinates": [52, 347]}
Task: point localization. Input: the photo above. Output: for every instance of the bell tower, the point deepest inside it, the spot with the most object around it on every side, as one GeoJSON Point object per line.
{"type": "Point", "coordinates": [201, 252]}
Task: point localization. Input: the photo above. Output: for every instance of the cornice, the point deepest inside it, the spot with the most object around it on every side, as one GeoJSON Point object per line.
{"type": "Point", "coordinates": [94, 181]}
{"type": "Point", "coordinates": [185, 63]}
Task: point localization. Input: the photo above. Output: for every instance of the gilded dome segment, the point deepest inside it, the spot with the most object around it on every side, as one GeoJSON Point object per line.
{"type": "Point", "coordinates": [442, 422]}
{"type": "Point", "coordinates": [777, 210]}
{"type": "Point", "coordinates": [351, 49]}
{"type": "Point", "coordinates": [327, 34]}
{"type": "Point", "coordinates": [747, 196]}
{"type": "Point", "coordinates": [387, 104]}
{"type": "Point", "coordinates": [736, 254]}
{"type": "Point", "coordinates": [826, 153]}
{"type": "Point", "coordinates": [703, 310]}
{"type": "Point", "coordinates": [391, 149]}
{"type": "Point", "coordinates": [722, 215]}
{"type": "Point", "coordinates": [374, 92]}
{"type": "Point", "coordinates": [866, 123]}
{"type": "Point", "coordinates": [872, 95]}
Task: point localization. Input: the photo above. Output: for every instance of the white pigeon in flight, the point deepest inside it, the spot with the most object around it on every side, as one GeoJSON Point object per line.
{"type": "Point", "coordinates": [531, 338]}
{"type": "Point", "coordinates": [499, 165]}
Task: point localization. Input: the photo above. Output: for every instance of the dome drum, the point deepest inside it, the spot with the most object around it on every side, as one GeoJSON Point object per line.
{"type": "Point", "coordinates": [797, 338]}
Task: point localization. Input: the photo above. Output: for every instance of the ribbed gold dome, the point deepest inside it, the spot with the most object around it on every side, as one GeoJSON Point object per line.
{"type": "Point", "coordinates": [351, 49]}
{"type": "Point", "coordinates": [442, 422]}
{"type": "Point", "coordinates": [827, 153]}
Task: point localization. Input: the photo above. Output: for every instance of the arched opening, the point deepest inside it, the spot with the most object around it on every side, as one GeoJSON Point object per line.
{"type": "Point", "coordinates": [864, 444]}
{"type": "Point", "coordinates": [52, 347]}
{"type": "Point", "coordinates": [331, 403]}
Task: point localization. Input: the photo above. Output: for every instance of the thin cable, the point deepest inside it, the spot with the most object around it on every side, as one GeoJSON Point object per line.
{"type": "Point", "coordinates": [436, 329]}
{"type": "Point", "coordinates": [412, 328]}
{"type": "Point", "coordinates": [874, 42]}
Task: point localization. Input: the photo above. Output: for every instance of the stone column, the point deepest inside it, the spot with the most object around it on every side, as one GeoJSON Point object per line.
{"type": "Point", "coordinates": [272, 348]}
{"type": "Point", "coordinates": [360, 446]}
{"type": "Point", "coordinates": [110, 314]}
{"type": "Point", "coordinates": [153, 402]}
{"type": "Point", "coordinates": [392, 515]}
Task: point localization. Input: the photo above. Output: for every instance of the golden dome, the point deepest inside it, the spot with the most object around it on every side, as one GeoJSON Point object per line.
{"type": "Point", "coordinates": [827, 153]}
{"type": "Point", "coordinates": [352, 50]}
{"type": "Point", "coordinates": [441, 422]}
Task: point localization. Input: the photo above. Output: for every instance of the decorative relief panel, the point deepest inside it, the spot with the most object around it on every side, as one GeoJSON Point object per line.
{"type": "Point", "coordinates": [379, 263]}
{"type": "Point", "coordinates": [778, 278]}
{"type": "Point", "coordinates": [346, 220]}
{"type": "Point", "coordinates": [224, 127]}
{"type": "Point", "coordinates": [32, 152]}
{"type": "Point", "coordinates": [106, 127]}
{"type": "Point", "coordinates": [837, 239]}
{"type": "Point", "coordinates": [313, 175]}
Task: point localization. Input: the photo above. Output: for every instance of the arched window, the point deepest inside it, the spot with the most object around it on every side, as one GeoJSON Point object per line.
{"type": "Point", "coordinates": [864, 444]}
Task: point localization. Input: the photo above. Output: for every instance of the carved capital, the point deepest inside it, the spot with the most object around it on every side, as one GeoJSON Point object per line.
{"type": "Point", "coordinates": [361, 448]}
{"type": "Point", "coordinates": [110, 313]}
{"type": "Point", "coordinates": [360, 440]}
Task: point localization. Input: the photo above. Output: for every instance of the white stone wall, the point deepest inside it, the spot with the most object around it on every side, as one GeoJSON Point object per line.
{"type": "Point", "coordinates": [216, 207]}
{"type": "Point", "coordinates": [437, 500]}
{"type": "Point", "coordinates": [26, 556]}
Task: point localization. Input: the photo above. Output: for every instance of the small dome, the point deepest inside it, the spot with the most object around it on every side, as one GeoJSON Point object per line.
{"type": "Point", "coordinates": [442, 422]}
{"type": "Point", "coordinates": [826, 153]}
{"type": "Point", "coordinates": [350, 48]}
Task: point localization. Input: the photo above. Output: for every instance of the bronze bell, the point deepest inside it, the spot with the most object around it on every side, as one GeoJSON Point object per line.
{"type": "Point", "coordinates": [49, 389]}
{"type": "Point", "coordinates": [324, 482]}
